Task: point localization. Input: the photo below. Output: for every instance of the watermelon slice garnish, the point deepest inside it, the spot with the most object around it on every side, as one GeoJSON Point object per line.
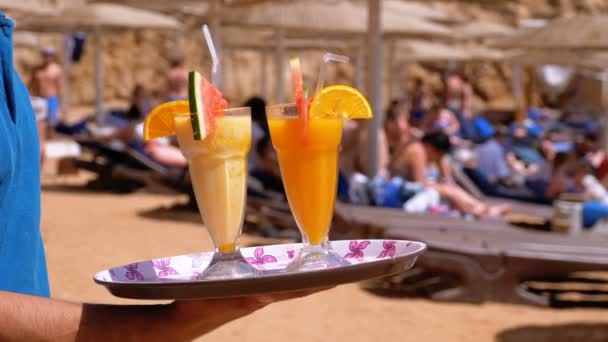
{"type": "Point", "coordinates": [206, 102]}
{"type": "Point", "coordinates": [298, 90]}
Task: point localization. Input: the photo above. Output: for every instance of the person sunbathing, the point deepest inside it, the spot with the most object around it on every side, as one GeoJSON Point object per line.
{"type": "Point", "coordinates": [424, 162]}
{"type": "Point", "coordinates": [165, 154]}
{"type": "Point", "coordinates": [395, 124]}
{"type": "Point", "coordinates": [354, 150]}
{"type": "Point", "coordinates": [176, 81]}
{"type": "Point", "coordinates": [436, 147]}
{"type": "Point", "coordinates": [408, 158]}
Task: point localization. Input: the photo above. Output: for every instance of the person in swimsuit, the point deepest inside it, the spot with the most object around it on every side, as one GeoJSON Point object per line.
{"type": "Point", "coordinates": [47, 82]}
{"type": "Point", "coordinates": [408, 158]}
{"type": "Point", "coordinates": [176, 81]}
{"type": "Point", "coordinates": [396, 124]}
{"type": "Point", "coordinates": [413, 162]}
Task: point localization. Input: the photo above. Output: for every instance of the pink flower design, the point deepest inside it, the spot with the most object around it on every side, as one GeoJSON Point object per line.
{"type": "Point", "coordinates": [291, 254]}
{"type": "Point", "coordinates": [163, 266]}
{"type": "Point", "coordinates": [356, 249]}
{"type": "Point", "coordinates": [133, 273]}
{"type": "Point", "coordinates": [260, 258]}
{"type": "Point", "coordinates": [389, 249]}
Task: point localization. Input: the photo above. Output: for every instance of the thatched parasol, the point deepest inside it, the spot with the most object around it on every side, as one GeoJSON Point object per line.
{"type": "Point", "coordinates": [423, 51]}
{"type": "Point", "coordinates": [483, 29]}
{"type": "Point", "coordinates": [331, 18]}
{"type": "Point", "coordinates": [580, 32]}
{"type": "Point", "coordinates": [21, 7]}
{"type": "Point", "coordinates": [586, 59]}
{"type": "Point", "coordinates": [97, 18]}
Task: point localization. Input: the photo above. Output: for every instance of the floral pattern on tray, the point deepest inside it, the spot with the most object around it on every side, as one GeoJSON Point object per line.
{"type": "Point", "coordinates": [267, 258]}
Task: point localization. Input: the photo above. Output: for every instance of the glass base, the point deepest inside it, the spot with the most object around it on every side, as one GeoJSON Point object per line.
{"type": "Point", "coordinates": [228, 266]}
{"type": "Point", "coordinates": [316, 257]}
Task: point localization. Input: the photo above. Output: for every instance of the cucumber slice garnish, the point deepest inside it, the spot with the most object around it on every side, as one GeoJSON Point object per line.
{"type": "Point", "coordinates": [197, 110]}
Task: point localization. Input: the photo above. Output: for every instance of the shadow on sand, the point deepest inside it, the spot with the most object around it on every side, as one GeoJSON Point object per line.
{"type": "Point", "coordinates": [94, 186]}
{"type": "Point", "coordinates": [71, 188]}
{"type": "Point", "coordinates": [181, 212]}
{"type": "Point", "coordinates": [572, 332]}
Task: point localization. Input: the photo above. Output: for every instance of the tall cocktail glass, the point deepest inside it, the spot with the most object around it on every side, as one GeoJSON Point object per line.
{"type": "Point", "coordinates": [308, 158]}
{"type": "Point", "coordinates": [218, 170]}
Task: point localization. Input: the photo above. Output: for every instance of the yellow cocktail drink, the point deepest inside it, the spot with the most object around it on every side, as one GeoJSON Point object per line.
{"type": "Point", "coordinates": [215, 140]}
{"type": "Point", "coordinates": [309, 168]}
{"type": "Point", "coordinates": [218, 170]}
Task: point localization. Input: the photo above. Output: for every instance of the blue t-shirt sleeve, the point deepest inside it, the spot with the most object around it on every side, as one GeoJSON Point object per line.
{"type": "Point", "coordinates": [22, 258]}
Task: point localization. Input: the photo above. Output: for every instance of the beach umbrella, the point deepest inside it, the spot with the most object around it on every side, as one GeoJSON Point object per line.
{"type": "Point", "coordinates": [421, 10]}
{"type": "Point", "coordinates": [479, 52]}
{"type": "Point", "coordinates": [176, 5]}
{"type": "Point", "coordinates": [588, 59]}
{"type": "Point", "coordinates": [329, 18]}
{"type": "Point", "coordinates": [580, 32]}
{"type": "Point", "coordinates": [98, 18]}
{"type": "Point", "coordinates": [21, 7]}
{"type": "Point", "coordinates": [426, 51]}
{"type": "Point", "coordinates": [264, 39]}
{"type": "Point", "coordinates": [580, 58]}
{"type": "Point", "coordinates": [562, 36]}
{"type": "Point", "coordinates": [482, 30]}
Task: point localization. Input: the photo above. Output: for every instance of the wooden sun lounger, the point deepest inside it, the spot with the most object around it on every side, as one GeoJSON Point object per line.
{"type": "Point", "coordinates": [491, 259]}
{"type": "Point", "coordinates": [519, 208]}
{"type": "Point", "coordinates": [126, 165]}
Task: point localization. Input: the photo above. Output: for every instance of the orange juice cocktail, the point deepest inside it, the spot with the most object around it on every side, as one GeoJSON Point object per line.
{"type": "Point", "coordinates": [308, 158]}
{"type": "Point", "coordinates": [309, 169]}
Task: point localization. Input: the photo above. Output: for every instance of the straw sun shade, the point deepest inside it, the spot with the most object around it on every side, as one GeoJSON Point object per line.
{"type": "Point", "coordinates": [99, 16]}
{"type": "Point", "coordinates": [587, 59]}
{"type": "Point", "coordinates": [580, 32]}
{"type": "Point", "coordinates": [422, 51]}
{"type": "Point", "coordinates": [26, 6]}
{"type": "Point", "coordinates": [335, 17]}
{"type": "Point", "coordinates": [264, 39]}
{"type": "Point", "coordinates": [478, 52]}
{"type": "Point", "coordinates": [420, 10]}
{"type": "Point", "coordinates": [483, 29]}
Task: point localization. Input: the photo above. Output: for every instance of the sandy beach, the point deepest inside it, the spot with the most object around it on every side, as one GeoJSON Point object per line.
{"type": "Point", "coordinates": [85, 232]}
